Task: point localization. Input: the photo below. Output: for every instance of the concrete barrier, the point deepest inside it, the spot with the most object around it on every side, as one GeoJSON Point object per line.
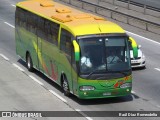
{"type": "Point", "coordinates": [89, 7]}
{"type": "Point", "coordinates": [136, 8]}
{"type": "Point", "coordinates": [152, 12]}
{"type": "Point", "coordinates": [76, 3]}
{"type": "Point", "coordinates": [104, 12]}
{"type": "Point", "coordinates": [66, 1]}
{"type": "Point", "coordinates": [108, 1]}
{"type": "Point", "coordinates": [120, 17]}
{"type": "Point", "coordinates": [153, 28]}
{"type": "Point", "coordinates": [93, 1]}
{"type": "Point", "coordinates": [137, 23]}
{"type": "Point", "coordinates": [121, 4]}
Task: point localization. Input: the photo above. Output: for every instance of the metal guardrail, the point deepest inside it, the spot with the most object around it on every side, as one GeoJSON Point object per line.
{"type": "Point", "coordinates": [140, 5]}
{"type": "Point", "coordinates": [99, 7]}
{"type": "Point", "coordinates": [144, 7]}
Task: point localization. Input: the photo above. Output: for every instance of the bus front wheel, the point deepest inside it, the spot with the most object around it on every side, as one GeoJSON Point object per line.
{"type": "Point", "coordinates": [65, 86]}
{"type": "Point", "coordinates": [29, 63]}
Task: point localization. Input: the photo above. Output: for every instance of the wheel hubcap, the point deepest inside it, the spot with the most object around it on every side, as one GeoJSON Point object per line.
{"type": "Point", "coordinates": [65, 85]}
{"type": "Point", "coordinates": [29, 64]}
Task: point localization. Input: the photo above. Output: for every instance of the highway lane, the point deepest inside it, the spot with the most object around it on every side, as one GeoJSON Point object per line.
{"type": "Point", "coordinates": [20, 93]}
{"type": "Point", "coordinates": [148, 80]}
{"type": "Point", "coordinates": [145, 98]}
{"type": "Point", "coordinates": [7, 44]}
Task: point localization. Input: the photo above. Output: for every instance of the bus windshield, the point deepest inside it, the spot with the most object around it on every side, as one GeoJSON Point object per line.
{"type": "Point", "coordinates": [104, 54]}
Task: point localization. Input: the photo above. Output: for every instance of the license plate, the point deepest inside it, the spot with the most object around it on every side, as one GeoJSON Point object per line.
{"type": "Point", "coordinates": [106, 94]}
{"type": "Point", "coordinates": [134, 61]}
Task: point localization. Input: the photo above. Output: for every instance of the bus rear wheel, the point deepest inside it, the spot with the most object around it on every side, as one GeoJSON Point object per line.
{"type": "Point", "coordinates": [29, 63]}
{"type": "Point", "coordinates": [65, 86]}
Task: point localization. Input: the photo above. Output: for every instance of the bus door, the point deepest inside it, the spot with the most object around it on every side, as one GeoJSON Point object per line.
{"type": "Point", "coordinates": [40, 37]}
{"type": "Point", "coordinates": [65, 56]}
{"type": "Point", "coordinates": [74, 72]}
{"type": "Point", "coordinates": [39, 54]}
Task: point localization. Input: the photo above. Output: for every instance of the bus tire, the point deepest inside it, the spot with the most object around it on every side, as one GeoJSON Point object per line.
{"type": "Point", "coordinates": [29, 63]}
{"type": "Point", "coordinates": [65, 86]}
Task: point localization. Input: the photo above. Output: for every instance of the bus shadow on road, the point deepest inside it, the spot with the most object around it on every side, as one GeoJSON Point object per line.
{"type": "Point", "coordinates": [42, 76]}
{"type": "Point", "coordinates": [103, 100]}
{"type": "Point", "coordinates": [137, 69]}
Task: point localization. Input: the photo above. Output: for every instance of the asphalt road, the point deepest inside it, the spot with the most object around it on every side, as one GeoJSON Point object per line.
{"type": "Point", "coordinates": [21, 90]}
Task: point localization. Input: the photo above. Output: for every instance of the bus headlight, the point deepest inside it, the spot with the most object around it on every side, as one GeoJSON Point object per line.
{"type": "Point", "coordinates": [87, 88]}
{"type": "Point", "coordinates": [126, 85]}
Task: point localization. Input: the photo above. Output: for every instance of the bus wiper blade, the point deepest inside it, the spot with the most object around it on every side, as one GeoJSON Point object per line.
{"type": "Point", "coordinates": [125, 74]}
{"type": "Point", "coordinates": [122, 72]}
{"type": "Point", "coordinates": [92, 72]}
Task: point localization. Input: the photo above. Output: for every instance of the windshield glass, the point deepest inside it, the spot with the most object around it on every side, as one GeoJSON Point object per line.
{"type": "Point", "coordinates": [104, 54]}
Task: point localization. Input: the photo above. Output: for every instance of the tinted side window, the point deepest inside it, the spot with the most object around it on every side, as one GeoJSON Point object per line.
{"type": "Point", "coordinates": [40, 23]}
{"type": "Point", "coordinates": [26, 19]}
{"type": "Point", "coordinates": [21, 17]}
{"type": "Point", "coordinates": [17, 15]}
{"type": "Point", "coordinates": [65, 42]}
{"type": "Point", "coordinates": [54, 32]}
{"type": "Point", "coordinates": [51, 30]}
{"type": "Point", "coordinates": [47, 30]}
{"type": "Point", "coordinates": [31, 22]}
{"type": "Point", "coordinates": [40, 28]}
{"type": "Point", "coordinates": [47, 27]}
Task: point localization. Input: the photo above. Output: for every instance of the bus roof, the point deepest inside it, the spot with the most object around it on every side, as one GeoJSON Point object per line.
{"type": "Point", "coordinates": [75, 21]}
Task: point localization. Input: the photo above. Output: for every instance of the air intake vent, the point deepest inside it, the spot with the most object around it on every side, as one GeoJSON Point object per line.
{"type": "Point", "coordinates": [48, 3]}
{"type": "Point", "coordinates": [63, 10]}
{"type": "Point", "coordinates": [99, 18]}
{"type": "Point", "coordinates": [82, 16]}
{"type": "Point", "coordinates": [61, 18]}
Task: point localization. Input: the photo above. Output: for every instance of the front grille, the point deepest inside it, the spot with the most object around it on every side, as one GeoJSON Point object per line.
{"type": "Point", "coordinates": [136, 58]}
{"type": "Point", "coordinates": [134, 64]}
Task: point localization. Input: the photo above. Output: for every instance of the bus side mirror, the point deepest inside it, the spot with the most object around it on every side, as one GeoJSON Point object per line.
{"type": "Point", "coordinates": [76, 50]}
{"type": "Point", "coordinates": [134, 47]}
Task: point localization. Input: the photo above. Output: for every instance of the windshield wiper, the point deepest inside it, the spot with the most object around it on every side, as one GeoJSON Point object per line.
{"type": "Point", "coordinates": [110, 71]}
{"type": "Point", "coordinates": [122, 72]}
{"type": "Point", "coordinates": [92, 72]}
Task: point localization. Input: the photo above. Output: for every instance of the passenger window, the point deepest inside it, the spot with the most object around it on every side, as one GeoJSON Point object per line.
{"type": "Point", "coordinates": [54, 33]}
{"type": "Point", "coordinates": [47, 27]}
{"type": "Point", "coordinates": [41, 23]}
{"type": "Point", "coordinates": [30, 22]}
{"type": "Point", "coordinates": [65, 42]}
{"type": "Point", "coordinates": [40, 28]}
{"type": "Point", "coordinates": [22, 18]}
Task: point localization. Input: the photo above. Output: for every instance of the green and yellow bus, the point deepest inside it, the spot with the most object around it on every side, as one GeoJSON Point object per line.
{"type": "Point", "coordinates": [85, 54]}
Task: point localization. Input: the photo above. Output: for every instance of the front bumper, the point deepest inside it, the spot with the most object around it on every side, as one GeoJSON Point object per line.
{"type": "Point", "coordinates": [138, 63]}
{"type": "Point", "coordinates": [104, 94]}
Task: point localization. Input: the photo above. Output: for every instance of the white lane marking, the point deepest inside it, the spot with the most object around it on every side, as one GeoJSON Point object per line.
{"type": "Point", "coordinates": [133, 92]}
{"type": "Point", "coordinates": [9, 24]}
{"type": "Point", "coordinates": [13, 5]}
{"type": "Point", "coordinates": [88, 118]}
{"type": "Point", "coordinates": [157, 69]}
{"type": "Point", "coordinates": [33, 78]}
{"type": "Point", "coordinates": [143, 37]}
{"type": "Point", "coordinates": [4, 57]}
{"type": "Point", "coordinates": [18, 67]}
{"type": "Point", "coordinates": [61, 98]}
